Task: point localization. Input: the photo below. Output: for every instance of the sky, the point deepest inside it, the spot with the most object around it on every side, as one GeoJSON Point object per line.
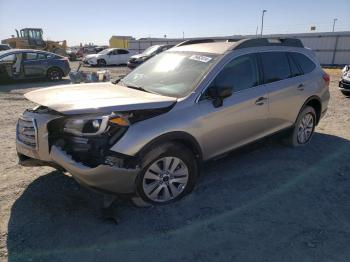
{"type": "Point", "coordinates": [79, 21]}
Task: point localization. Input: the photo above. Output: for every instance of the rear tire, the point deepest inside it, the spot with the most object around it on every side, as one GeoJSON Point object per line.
{"type": "Point", "coordinates": [303, 128]}
{"type": "Point", "coordinates": [54, 74]}
{"type": "Point", "coordinates": [168, 173]}
{"type": "Point", "coordinates": [101, 63]}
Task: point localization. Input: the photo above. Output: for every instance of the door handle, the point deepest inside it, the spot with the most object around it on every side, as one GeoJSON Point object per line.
{"type": "Point", "coordinates": [300, 87]}
{"type": "Point", "coordinates": [260, 101]}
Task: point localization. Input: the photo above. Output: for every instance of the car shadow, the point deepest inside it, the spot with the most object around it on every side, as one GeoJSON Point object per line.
{"type": "Point", "coordinates": [262, 202]}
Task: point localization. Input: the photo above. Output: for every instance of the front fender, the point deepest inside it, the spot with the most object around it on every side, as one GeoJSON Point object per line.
{"type": "Point", "coordinates": [173, 125]}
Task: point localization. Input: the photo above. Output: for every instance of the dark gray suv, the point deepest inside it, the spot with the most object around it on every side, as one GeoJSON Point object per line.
{"type": "Point", "coordinates": [16, 64]}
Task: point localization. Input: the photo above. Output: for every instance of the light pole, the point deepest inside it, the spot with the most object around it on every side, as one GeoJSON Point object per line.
{"type": "Point", "coordinates": [334, 20]}
{"type": "Point", "coordinates": [262, 22]}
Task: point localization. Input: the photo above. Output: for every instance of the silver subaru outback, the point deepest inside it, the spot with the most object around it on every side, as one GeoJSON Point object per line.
{"type": "Point", "coordinates": [146, 134]}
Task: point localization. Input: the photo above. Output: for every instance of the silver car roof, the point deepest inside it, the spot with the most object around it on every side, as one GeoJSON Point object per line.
{"type": "Point", "coordinates": [214, 48]}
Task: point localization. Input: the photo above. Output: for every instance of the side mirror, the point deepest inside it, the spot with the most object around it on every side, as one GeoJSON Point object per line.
{"type": "Point", "coordinates": [219, 93]}
{"type": "Point", "coordinates": [224, 92]}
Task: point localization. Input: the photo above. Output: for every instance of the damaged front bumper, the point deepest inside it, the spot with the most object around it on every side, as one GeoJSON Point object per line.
{"type": "Point", "coordinates": [103, 177]}
{"type": "Point", "coordinates": [90, 61]}
{"type": "Point", "coordinates": [35, 150]}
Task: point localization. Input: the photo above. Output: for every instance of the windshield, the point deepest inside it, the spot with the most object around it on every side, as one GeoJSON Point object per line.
{"type": "Point", "coordinates": [150, 50]}
{"type": "Point", "coordinates": [104, 52]}
{"type": "Point", "coordinates": [171, 73]}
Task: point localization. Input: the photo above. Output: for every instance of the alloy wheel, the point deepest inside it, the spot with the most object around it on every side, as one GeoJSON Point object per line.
{"type": "Point", "coordinates": [101, 63]}
{"type": "Point", "coordinates": [55, 75]}
{"type": "Point", "coordinates": [306, 128]}
{"type": "Point", "coordinates": [165, 179]}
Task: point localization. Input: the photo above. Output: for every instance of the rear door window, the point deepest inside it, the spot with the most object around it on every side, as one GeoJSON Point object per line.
{"type": "Point", "coordinates": [294, 68]}
{"type": "Point", "coordinates": [304, 62]}
{"type": "Point", "coordinates": [31, 56]}
{"type": "Point", "coordinates": [41, 56]}
{"type": "Point", "coordinates": [275, 66]}
{"type": "Point", "coordinates": [123, 52]}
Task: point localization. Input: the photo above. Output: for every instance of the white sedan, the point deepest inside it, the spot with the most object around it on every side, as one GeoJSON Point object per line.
{"type": "Point", "coordinates": [111, 56]}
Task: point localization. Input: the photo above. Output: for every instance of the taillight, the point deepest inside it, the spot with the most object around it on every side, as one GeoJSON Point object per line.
{"type": "Point", "coordinates": [326, 78]}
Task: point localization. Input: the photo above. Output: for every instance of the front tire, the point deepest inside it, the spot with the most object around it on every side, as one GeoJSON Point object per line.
{"type": "Point", "coordinates": [303, 129]}
{"type": "Point", "coordinates": [168, 173]}
{"type": "Point", "coordinates": [54, 74]}
{"type": "Point", "coordinates": [101, 63]}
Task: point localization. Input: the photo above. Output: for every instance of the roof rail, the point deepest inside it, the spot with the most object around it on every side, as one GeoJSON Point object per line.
{"type": "Point", "coordinates": [248, 42]}
{"type": "Point", "coordinates": [196, 41]}
{"type": "Point", "coordinates": [258, 42]}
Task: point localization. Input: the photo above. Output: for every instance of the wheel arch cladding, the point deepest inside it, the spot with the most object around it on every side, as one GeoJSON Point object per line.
{"type": "Point", "coordinates": [315, 103]}
{"type": "Point", "coordinates": [178, 137]}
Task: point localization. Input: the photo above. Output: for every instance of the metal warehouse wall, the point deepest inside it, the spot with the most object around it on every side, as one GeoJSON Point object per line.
{"type": "Point", "coordinates": [330, 48]}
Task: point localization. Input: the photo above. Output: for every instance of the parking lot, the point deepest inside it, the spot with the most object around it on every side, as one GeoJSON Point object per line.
{"type": "Point", "coordinates": [263, 201]}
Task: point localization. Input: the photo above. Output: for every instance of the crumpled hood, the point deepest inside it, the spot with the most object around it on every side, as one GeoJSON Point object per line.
{"type": "Point", "coordinates": [96, 98]}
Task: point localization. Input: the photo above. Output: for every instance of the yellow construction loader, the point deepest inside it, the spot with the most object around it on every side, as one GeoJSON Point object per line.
{"type": "Point", "coordinates": [32, 38]}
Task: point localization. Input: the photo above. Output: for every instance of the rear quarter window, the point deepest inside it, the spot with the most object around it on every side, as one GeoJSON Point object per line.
{"type": "Point", "coordinates": [304, 62]}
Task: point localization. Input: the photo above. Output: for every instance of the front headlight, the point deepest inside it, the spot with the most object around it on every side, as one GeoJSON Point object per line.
{"type": "Point", "coordinates": [86, 126]}
{"type": "Point", "coordinates": [92, 126]}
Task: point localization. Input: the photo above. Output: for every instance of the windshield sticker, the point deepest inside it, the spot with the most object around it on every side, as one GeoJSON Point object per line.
{"type": "Point", "coordinates": [201, 58]}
